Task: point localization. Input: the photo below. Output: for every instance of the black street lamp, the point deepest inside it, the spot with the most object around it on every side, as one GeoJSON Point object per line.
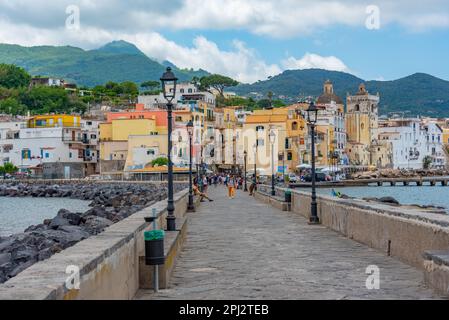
{"type": "Point", "coordinates": [168, 81]}
{"type": "Point", "coordinates": [245, 153]}
{"type": "Point", "coordinates": [312, 114]}
{"type": "Point", "coordinates": [190, 207]}
{"type": "Point", "coordinates": [272, 137]}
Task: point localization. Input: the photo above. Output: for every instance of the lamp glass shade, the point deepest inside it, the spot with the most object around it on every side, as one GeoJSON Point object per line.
{"type": "Point", "coordinates": [190, 128]}
{"type": "Point", "coordinates": [169, 81]}
{"type": "Point", "coordinates": [312, 113]}
{"type": "Point", "coordinates": [272, 137]}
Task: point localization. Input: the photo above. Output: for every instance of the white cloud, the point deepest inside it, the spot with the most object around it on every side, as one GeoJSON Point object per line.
{"type": "Point", "coordinates": [38, 22]}
{"type": "Point", "coordinates": [242, 63]}
{"type": "Point", "coordinates": [311, 60]}
{"type": "Point", "coordinates": [275, 18]}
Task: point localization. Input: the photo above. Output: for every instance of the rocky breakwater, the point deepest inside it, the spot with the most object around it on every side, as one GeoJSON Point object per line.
{"type": "Point", "coordinates": [111, 203]}
{"type": "Point", "coordinates": [394, 173]}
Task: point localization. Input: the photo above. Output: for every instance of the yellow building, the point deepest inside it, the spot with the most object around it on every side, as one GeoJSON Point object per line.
{"type": "Point", "coordinates": [52, 121]}
{"type": "Point", "coordinates": [115, 137]}
{"type": "Point", "coordinates": [446, 135]}
{"type": "Point", "coordinates": [142, 149]}
{"type": "Point", "coordinates": [256, 130]}
{"type": "Point", "coordinates": [361, 126]}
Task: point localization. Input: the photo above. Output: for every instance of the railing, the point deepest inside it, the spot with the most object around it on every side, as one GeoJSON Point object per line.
{"type": "Point", "coordinates": [72, 139]}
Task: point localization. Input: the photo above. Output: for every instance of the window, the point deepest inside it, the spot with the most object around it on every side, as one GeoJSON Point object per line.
{"type": "Point", "coordinates": [295, 126]}
{"type": "Point", "coordinates": [289, 156]}
{"type": "Point", "coordinates": [190, 91]}
{"type": "Point", "coordinates": [182, 90]}
{"type": "Point", "coordinates": [26, 154]}
{"type": "Point", "coordinates": [150, 152]}
{"type": "Point", "coordinates": [70, 155]}
{"type": "Point", "coordinates": [260, 142]}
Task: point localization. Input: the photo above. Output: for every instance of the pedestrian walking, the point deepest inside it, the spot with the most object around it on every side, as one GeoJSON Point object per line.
{"type": "Point", "coordinates": [205, 184]}
{"type": "Point", "coordinates": [232, 184]}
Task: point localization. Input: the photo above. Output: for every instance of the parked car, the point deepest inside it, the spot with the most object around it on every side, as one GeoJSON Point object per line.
{"type": "Point", "coordinates": [319, 177]}
{"type": "Point", "coordinates": [292, 178]}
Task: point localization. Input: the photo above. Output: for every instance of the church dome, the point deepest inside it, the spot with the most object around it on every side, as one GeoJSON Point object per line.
{"type": "Point", "coordinates": [328, 95]}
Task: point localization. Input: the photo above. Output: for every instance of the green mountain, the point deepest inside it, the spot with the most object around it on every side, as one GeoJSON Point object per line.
{"type": "Point", "coordinates": [418, 94]}
{"type": "Point", "coordinates": [117, 61]}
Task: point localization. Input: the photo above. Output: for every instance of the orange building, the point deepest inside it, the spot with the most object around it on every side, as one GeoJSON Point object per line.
{"type": "Point", "coordinates": [140, 113]}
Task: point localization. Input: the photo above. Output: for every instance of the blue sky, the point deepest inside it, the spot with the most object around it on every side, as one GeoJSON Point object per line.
{"type": "Point", "coordinates": [249, 39]}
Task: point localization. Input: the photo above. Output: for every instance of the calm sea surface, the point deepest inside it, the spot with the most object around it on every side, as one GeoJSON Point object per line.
{"type": "Point", "coordinates": [425, 195]}
{"type": "Point", "coordinates": [17, 214]}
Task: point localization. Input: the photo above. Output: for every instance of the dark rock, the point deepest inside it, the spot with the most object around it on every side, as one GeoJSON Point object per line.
{"type": "Point", "coordinates": [45, 254]}
{"type": "Point", "coordinates": [58, 222]}
{"type": "Point", "coordinates": [388, 200]}
{"type": "Point", "coordinates": [25, 255]}
{"type": "Point", "coordinates": [97, 224]}
{"type": "Point", "coordinates": [73, 218]}
{"type": "Point", "coordinates": [4, 258]}
{"type": "Point", "coordinates": [20, 268]}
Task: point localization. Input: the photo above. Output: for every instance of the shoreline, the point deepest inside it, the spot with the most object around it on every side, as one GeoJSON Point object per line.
{"type": "Point", "coordinates": [110, 203]}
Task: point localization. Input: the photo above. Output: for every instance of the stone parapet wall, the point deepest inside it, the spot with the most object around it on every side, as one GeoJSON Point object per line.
{"type": "Point", "coordinates": [108, 263]}
{"type": "Point", "coordinates": [398, 232]}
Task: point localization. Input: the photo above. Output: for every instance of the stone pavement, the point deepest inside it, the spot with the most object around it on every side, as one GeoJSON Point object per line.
{"type": "Point", "coordinates": [245, 249]}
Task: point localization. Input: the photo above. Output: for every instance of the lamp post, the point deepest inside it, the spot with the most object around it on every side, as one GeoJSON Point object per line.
{"type": "Point", "coordinates": [168, 81]}
{"type": "Point", "coordinates": [245, 154]}
{"type": "Point", "coordinates": [312, 114]}
{"type": "Point", "coordinates": [190, 207]}
{"type": "Point", "coordinates": [272, 137]}
{"type": "Point", "coordinates": [255, 163]}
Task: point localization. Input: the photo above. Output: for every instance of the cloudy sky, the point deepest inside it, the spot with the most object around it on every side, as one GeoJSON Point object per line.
{"type": "Point", "coordinates": [249, 40]}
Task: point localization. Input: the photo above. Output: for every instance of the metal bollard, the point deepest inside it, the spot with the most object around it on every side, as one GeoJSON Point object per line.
{"type": "Point", "coordinates": [154, 249]}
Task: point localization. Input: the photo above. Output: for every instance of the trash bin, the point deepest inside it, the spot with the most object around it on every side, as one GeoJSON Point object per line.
{"type": "Point", "coordinates": [154, 247]}
{"type": "Point", "coordinates": [288, 196]}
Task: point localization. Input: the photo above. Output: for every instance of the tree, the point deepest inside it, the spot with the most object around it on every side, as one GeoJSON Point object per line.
{"type": "Point", "coordinates": [8, 168]}
{"type": "Point", "coordinates": [150, 85]}
{"type": "Point", "coordinates": [264, 104]}
{"type": "Point", "coordinates": [12, 106]}
{"type": "Point", "coordinates": [129, 88]}
{"type": "Point", "coordinates": [42, 99]}
{"type": "Point", "coordinates": [427, 162]}
{"type": "Point", "coordinates": [217, 82]}
{"type": "Point", "coordinates": [12, 76]}
{"type": "Point", "coordinates": [159, 162]}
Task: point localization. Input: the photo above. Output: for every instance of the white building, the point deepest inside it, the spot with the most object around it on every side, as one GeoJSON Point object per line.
{"type": "Point", "coordinates": [185, 92]}
{"type": "Point", "coordinates": [90, 132]}
{"type": "Point", "coordinates": [36, 146]}
{"type": "Point", "coordinates": [331, 115]}
{"type": "Point", "coordinates": [412, 141]}
{"type": "Point", "coordinates": [8, 132]}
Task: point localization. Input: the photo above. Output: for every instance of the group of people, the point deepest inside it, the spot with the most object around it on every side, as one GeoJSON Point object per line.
{"type": "Point", "coordinates": [232, 182]}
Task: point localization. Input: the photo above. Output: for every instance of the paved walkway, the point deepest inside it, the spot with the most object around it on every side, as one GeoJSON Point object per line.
{"type": "Point", "coordinates": [244, 249]}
